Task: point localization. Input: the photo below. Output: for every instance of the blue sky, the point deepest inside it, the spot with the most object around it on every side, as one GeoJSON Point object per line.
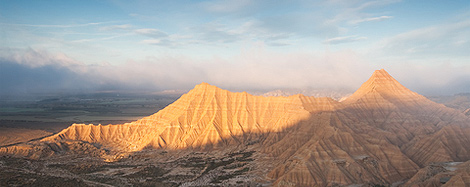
{"type": "Point", "coordinates": [234, 44]}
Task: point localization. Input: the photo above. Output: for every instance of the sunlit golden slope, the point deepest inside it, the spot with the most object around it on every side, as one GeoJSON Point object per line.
{"type": "Point", "coordinates": [382, 134]}
{"type": "Point", "coordinates": [204, 117]}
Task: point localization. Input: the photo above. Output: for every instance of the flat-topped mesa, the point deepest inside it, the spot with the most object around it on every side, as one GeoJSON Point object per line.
{"type": "Point", "coordinates": [382, 85]}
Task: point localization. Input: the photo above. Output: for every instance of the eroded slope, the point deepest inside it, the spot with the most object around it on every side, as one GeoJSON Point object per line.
{"type": "Point", "coordinates": [382, 134]}
{"type": "Point", "coordinates": [204, 117]}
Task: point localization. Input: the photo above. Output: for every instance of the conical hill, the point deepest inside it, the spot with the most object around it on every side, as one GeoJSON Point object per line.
{"type": "Point", "coordinates": [382, 134]}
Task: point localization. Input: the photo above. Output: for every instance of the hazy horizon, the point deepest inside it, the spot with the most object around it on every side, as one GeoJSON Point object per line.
{"type": "Point", "coordinates": [151, 46]}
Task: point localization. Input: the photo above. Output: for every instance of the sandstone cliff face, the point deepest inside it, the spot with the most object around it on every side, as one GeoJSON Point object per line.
{"type": "Point", "coordinates": [383, 133]}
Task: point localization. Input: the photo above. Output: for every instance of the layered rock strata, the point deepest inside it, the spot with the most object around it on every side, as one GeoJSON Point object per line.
{"type": "Point", "coordinates": [382, 134]}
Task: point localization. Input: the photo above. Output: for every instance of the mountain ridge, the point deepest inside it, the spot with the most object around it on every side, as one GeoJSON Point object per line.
{"type": "Point", "coordinates": [380, 134]}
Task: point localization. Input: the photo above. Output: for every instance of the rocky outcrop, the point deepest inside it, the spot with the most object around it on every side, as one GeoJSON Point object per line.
{"type": "Point", "coordinates": [442, 174]}
{"type": "Point", "coordinates": [467, 112]}
{"type": "Point", "coordinates": [205, 117]}
{"type": "Point", "coordinates": [382, 134]}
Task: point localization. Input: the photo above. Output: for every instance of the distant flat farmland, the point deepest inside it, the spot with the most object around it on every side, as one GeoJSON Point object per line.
{"type": "Point", "coordinates": [22, 120]}
{"type": "Point", "coordinates": [10, 136]}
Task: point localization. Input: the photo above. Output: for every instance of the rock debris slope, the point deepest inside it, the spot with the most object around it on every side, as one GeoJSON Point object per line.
{"type": "Point", "coordinates": [382, 134]}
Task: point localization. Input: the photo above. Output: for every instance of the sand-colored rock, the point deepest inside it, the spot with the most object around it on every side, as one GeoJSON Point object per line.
{"type": "Point", "coordinates": [205, 117]}
{"type": "Point", "coordinates": [461, 176]}
{"type": "Point", "coordinates": [382, 134]}
{"type": "Point", "coordinates": [442, 174]}
{"type": "Point", "coordinates": [382, 85]}
{"type": "Point", "coordinates": [451, 143]}
{"type": "Point", "coordinates": [467, 112]}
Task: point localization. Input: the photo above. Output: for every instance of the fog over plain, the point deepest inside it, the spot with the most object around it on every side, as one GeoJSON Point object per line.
{"type": "Point", "coordinates": [237, 45]}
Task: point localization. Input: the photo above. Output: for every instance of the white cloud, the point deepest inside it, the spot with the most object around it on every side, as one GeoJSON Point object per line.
{"type": "Point", "coordinates": [380, 18]}
{"type": "Point", "coordinates": [216, 33]}
{"type": "Point", "coordinates": [255, 20]}
{"type": "Point", "coordinates": [101, 38]}
{"type": "Point", "coordinates": [443, 40]}
{"type": "Point", "coordinates": [344, 39]}
{"type": "Point", "coordinates": [161, 42]}
{"type": "Point", "coordinates": [376, 3]}
{"type": "Point", "coordinates": [254, 69]}
{"type": "Point", "coordinates": [116, 27]}
{"type": "Point", "coordinates": [153, 33]}
{"type": "Point", "coordinates": [152, 41]}
{"type": "Point", "coordinates": [158, 37]}
{"type": "Point", "coordinates": [227, 6]}
{"type": "Point", "coordinates": [251, 70]}
{"type": "Point", "coordinates": [35, 58]}
{"type": "Point", "coordinates": [56, 26]}
{"type": "Point", "coordinates": [351, 11]}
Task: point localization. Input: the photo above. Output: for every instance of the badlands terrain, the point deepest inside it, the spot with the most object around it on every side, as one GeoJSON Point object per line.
{"type": "Point", "coordinates": [382, 135]}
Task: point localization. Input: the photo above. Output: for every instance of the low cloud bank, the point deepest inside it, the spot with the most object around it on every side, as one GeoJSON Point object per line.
{"type": "Point", "coordinates": [33, 71]}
